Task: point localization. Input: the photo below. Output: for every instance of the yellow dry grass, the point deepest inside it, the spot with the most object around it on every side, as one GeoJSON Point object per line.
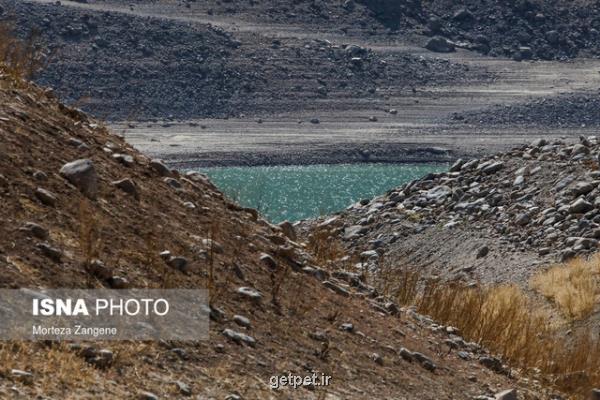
{"type": "Point", "coordinates": [20, 59]}
{"type": "Point", "coordinates": [574, 287]}
{"type": "Point", "coordinates": [507, 322]}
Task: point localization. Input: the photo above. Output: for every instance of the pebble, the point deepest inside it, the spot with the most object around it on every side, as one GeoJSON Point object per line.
{"type": "Point", "coordinates": [51, 252]}
{"type": "Point", "coordinates": [45, 197]}
{"type": "Point", "coordinates": [239, 338]}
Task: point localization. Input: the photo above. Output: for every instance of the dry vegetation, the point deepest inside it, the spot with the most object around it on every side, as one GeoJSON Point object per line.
{"type": "Point", "coordinates": [506, 321]}
{"type": "Point", "coordinates": [574, 288]}
{"type": "Point", "coordinates": [20, 59]}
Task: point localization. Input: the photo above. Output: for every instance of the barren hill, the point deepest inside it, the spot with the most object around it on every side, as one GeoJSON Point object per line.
{"type": "Point", "coordinates": [82, 209]}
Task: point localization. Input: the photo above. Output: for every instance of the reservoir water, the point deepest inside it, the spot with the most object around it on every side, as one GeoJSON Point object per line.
{"type": "Point", "coordinates": [298, 192]}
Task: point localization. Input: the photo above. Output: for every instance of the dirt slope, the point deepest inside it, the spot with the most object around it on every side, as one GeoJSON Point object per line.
{"type": "Point", "coordinates": [50, 230]}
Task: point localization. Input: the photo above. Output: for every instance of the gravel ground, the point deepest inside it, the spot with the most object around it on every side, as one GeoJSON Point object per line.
{"type": "Point", "coordinates": [134, 66]}
{"type": "Point", "coordinates": [563, 111]}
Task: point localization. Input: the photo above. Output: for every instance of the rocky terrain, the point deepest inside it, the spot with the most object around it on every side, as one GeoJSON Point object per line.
{"type": "Point", "coordinates": [495, 219]}
{"type": "Point", "coordinates": [83, 209]}
{"type": "Point", "coordinates": [518, 29]}
{"type": "Point", "coordinates": [568, 110]}
{"type": "Point", "coordinates": [133, 67]}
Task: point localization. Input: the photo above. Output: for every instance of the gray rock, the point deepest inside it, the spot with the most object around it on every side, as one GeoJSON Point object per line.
{"type": "Point", "coordinates": [492, 168]}
{"type": "Point", "coordinates": [539, 143]}
{"type": "Point", "coordinates": [74, 142]}
{"type": "Point", "coordinates": [288, 230]}
{"type": "Point", "coordinates": [579, 149]}
{"type": "Point", "coordinates": [250, 293]}
{"type": "Point", "coordinates": [51, 252]}
{"type": "Point", "coordinates": [424, 361]}
{"type": "Point", "coordinates": [241, 321]}
{"type": "Point", "coordinates": [347, 327]}
{"type": "Point", "coordinates": [377, 359]}
{"type": "Point", "coordinates": [354, 231]}
{"type": "Point", "coordinates": [268, 261]}
{"type": "Point", "coordinates": [45, 197]}
{"type": "Point", "coordinates": [510, 394]}
{"type": "Point", "coordinates": [239, 338]}
{"type": "Point", "coordinates": [336, 288]}
{"type": "Point", "coordinates": [124, 159]}
{"type": "Point", "coordinates": [22, 376]}
{"type": "Point", "coordinates": [482, 252]}
{"type": "Point", "coordinates": [82, 174]}
{"type": "Point", "coordinates": [457, 165]}
{"type": "Point", "coordinates": [581, 188]}
{"type": "Point", "coordinates": [179, 263]}
{"type": "Point", "coordinates": [184, 388]}
{"type": "Point", "coordinates": [118, 282]}
{"type": "Point", "coordinates": [189, 204]}
{"type": "Point", "coordinates": [98, 269]}
{"type": "Point", "coordinates": [519, 180]}
{"type": "Point", "coordinates": [522, 219]}
{"type": "Point", "coordinates": [160, 167]}
{"type": "Point", "coordinates": [406, 354]}
{"type": "Point", "coordinates": [369, 254]}
{"type": "Point", "coordinates": [595, 394]}
{"type": "Point", "coordinates": [438, 193]}
{"type": "Point", "coordinates": [35, 230]}
{"type": "Point", "coordinates": [580, 206]}
{"type": "Point", "coordinates": [212, 245]}
{"type": "Point", "coordinates": [101, 359]}
{"type": "Point", "coordinates": [439, 44]}
{"type": "Point", "coordinates": [143, 395]}
{"type": "Point", "coordinates": [174, 183]}
{"type": "Point", "coordinates": [491, 363]}
{"type": "Point", "coordinates": [128, 186]}
{"type": "Point", "coordinates": [40, 176]}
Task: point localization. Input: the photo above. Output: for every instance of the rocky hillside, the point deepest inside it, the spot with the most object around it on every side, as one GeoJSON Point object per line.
{"type": "Point", "coordinates": [82, 209]}
{"type": "Point", "coordinates": [121, 66]}
{"type": "Point", "coordinates": [494, 219]}
{"type": "Point", "coordinates": [518, 29]}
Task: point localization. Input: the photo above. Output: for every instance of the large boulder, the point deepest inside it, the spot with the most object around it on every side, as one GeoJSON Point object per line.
{"type": "Point", "coordinates": [82, 174]}
{"type": "Point", "coordinates": [439, 44]}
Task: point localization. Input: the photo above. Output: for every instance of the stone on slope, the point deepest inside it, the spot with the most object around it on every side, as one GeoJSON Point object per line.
{"type": "Point", "coordinates": [35, 230]}
{"type": "Point", "coordinates": [45, 197]}
{"type": "Point", "coordinates": [288, 230]}
{"type": "Point", "coordinates": [580, 206]}
{"type": "Point", "coordinates": [239, 338]}
{"type": "Point", "coordinates": [510, 394]}
{"type": "Point", "coordinates": [457, 165]}
{"type": "Point", "coordinates": [439, 44]}
{"type": "Point", "coordinates": [160, 167]}
{"type": "Point", "coordinates": [128, 186]}
{"type": "Point", "coordinates": [82, 174]}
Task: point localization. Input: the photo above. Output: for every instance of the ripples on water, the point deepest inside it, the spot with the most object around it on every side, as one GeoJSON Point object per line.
{"type": "Point", "coordinates": [298, 192]}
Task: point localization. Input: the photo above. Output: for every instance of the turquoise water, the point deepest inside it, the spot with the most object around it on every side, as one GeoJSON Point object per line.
{"type": "Point", "coordinates": [298, 192]}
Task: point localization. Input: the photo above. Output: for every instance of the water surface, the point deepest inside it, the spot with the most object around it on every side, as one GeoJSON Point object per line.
{"type": "Point", "coordinates": [298, 192]}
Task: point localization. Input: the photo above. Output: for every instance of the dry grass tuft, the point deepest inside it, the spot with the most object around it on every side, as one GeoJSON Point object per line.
{"type": "Point", "coordinates": [20, 59]}
{"type": "Point", "coordinates": [505, 320]}
{"type": "Point", "coordinates": [54, 365]}
{"type": "Point", "coordinates": [325, 247]}
{"type": "Point", "coordinates": [574, 287]}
